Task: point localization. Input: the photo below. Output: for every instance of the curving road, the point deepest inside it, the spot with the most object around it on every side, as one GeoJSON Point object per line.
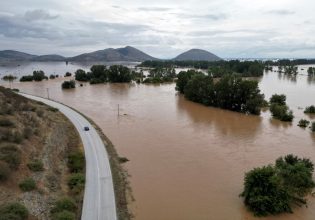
{"type": "Point", "coordinates": [99, 197]}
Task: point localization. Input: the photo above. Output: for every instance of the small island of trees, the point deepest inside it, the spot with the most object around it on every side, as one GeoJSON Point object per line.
{"type": "Point", "coordinates": [275, 189]}
{"type": "Point", "coordinates": [230, 92]}
{"type": "Point", "coordinates": [279, 108]}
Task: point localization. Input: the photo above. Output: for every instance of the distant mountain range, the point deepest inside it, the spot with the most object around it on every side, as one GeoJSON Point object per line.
{"type": "Point", "coordinates": [128, 53]}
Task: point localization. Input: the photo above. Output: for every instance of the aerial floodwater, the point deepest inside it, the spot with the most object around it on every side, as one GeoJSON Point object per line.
{"type": "Point", "coordinates": [187, 161]}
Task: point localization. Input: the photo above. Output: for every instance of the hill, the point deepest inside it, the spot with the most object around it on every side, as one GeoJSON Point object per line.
{"type": "Point", "coordinates": [110, 55]}
{"type": "Point", "coordinates": [12, 55]}
{"type": "Point", "coordinates": [52, 57]}
{"type": "Point", "coordinates": [197, 55]}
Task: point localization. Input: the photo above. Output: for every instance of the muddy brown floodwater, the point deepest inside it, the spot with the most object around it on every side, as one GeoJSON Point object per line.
{"type": "Point", "coordinates": [187, 161]}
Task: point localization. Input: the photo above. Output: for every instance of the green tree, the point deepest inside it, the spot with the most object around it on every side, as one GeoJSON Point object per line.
{"type": "Point", "coordinates": [276, 188]}
{"type": "Point", "coordinates": [119, 74]}
{"type": "Point", "coordinates": [80, 75]}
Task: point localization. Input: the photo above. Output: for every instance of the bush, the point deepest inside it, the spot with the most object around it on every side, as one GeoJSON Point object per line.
{"type": "Point", "coordinates": [281, 112]}
{"type": "Point", "coordinates": [11, 155]}
{"type": "Point", "coordinates": [52, 109]}
{"type": "Point", "coordinates": [303, 123]}
{"type": "Point", "coordinates": [310, 109]}
{"type": "Point", "coordinates": [64, 215]}
{"type": "Point", "coordinates": [76, 182]}
{"type": "Point", "coordinates": [68, 84]}
{"type": "Point", "coordinates": [52, 76]}
{"type": "Point", "coordinates": [4, 171]}
{"type": "Point", "coordinates": [13, 211]}
{"type": "Point", "coordinates": [68, 74]}
{"type": "Point", "coordinates": [27, 184]}
{"type": "Point", "coordinates": [27, 78]}
{"type": "Point", "coordinates": [76, 162]}
{"type": "Point", "coordinates": [6, 123]}
{"type": "Point", "coordinates": [39, 75]}
{"type": "Point", "coordinates": [313, 127]}
{"type": "Point", "coordinates": [278, 99]}
{"type": "Point", "coordinates": [64, 204]}
{"type": "Point", "coordinates": [80, 75]}
{"type": "Point", "coordinates": [36, 165]}
{"type": "Point", "coordinates": [274, 189]}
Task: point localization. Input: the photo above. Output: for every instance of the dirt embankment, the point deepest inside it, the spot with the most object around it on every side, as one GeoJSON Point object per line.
{"type": "Point", "coordinates": [41, 159]}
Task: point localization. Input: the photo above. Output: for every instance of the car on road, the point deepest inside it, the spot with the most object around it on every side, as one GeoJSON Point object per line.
{"type": "Point", "coordinates": [86, 128]}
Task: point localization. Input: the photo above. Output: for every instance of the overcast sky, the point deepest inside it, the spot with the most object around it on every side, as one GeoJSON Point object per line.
{"type": "Point", "coordinates": [163, 28]}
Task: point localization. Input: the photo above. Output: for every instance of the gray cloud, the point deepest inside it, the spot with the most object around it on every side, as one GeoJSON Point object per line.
{"type": "Point", "coordinates": [39, 14]}
{"type": "Point", "coordinates": [280, 12]}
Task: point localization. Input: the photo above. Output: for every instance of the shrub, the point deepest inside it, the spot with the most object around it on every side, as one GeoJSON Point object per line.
{"type": "Point", "coordinates": [9, 78]}
{"type": "Point", "coordinates": [64, 215]}
{"type": "Point", "coordinates": [36, 165]}
{"type": "Point", "coordinates": [13, 211]}
{"type": "Point", "coordinates": [39, 75]}
{"type": "Point", "coordinates": [4, 171]}
{"type": "Point", "coordinates": [27, 184]}
{"type": "Point", "coordinates": [303, 123]}
{"type": "Point", "coordinates": [313, 127]}
{"type": "Point", "coordinates": [52, 76]}
{"type": "Point", "coordinates": [64, 204]}
{"type": "Point", "coordinates": [6, 123]}
{"type": "Point", "coordinates": [76, 182]}
{"type": "Point", "coordinates": [123, 159]}
{"type": "Point", "coordinates": [279, 99]}
{"type": "Point", "coordinates": [68, 74]}
{"type": "Point", "coordinates": [11, 155]}
{"type": "Point", "coordinates": [68, 84]}
{"type": "Point", "coordinates": [281, 112]}
{"type": "Point", "coordinates": [274, 189]}
{"type": "Point", "coordinates": [310, 109]}
{"type": "Point", "coordinates": [27, 78]}
{"type": "Point", "coordinates": [76, 161]}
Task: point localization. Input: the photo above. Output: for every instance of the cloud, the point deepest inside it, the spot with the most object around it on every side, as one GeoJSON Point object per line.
{"type": "Point", "coordinates": [39, 14]}
{"type": "Point", "coordinates": [158, 9]}
{"type": "Point", "coordinates": [214, 17]}
{"type": "Point", "coordinates": [280, 12]}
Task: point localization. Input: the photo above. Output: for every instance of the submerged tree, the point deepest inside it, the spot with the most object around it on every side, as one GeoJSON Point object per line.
{"type": "Point", "coordinates": [276, 188]}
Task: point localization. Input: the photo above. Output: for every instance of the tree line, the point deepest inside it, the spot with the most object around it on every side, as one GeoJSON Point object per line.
{"type": "Point", "coordinates": [216, 68]}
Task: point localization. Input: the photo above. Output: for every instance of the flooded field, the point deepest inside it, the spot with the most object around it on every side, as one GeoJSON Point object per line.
{"type": "Point", "coordinates": [187, 161]}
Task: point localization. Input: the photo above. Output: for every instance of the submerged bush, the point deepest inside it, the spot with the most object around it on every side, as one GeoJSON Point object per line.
{"type": "Point", "coordinates": [279, 109]}
{"type": "Point", "coordinates": [276, 188]}
{"type": "Point", "coordinates": [303, 123]}
{"type": "Point", "coordinates": [313, 126]}
{"type": "Point", "coordinates": [68, 84]}
{"type": "Point", "coordinates": [310, 109]}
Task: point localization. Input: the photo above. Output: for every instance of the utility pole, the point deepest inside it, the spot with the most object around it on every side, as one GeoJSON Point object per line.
{"type": "Point", "coordinates": [48, 93]}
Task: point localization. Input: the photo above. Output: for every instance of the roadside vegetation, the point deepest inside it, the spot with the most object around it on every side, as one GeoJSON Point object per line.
{"type": "Point", "coordinates": [41, 161]}
{"type": "Point", "coordinates": [276, 189]}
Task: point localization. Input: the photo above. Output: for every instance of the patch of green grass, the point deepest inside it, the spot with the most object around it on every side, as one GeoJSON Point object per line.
{"type": "Point", "coordinates": [64, 215]}
{"type": "Point", "coordinates": [27, 184]}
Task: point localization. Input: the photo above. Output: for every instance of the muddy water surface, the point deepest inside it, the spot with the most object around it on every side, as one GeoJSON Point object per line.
{"type": "Point", "coordinates": [187, 161]}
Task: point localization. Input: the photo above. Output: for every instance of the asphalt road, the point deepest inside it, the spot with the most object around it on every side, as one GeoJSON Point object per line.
{"type": "Point", "coordinates": [99, 196]}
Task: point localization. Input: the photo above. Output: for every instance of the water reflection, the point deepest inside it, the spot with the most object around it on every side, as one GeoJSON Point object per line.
{"type": "Point", "coordinates": [226, 122]}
